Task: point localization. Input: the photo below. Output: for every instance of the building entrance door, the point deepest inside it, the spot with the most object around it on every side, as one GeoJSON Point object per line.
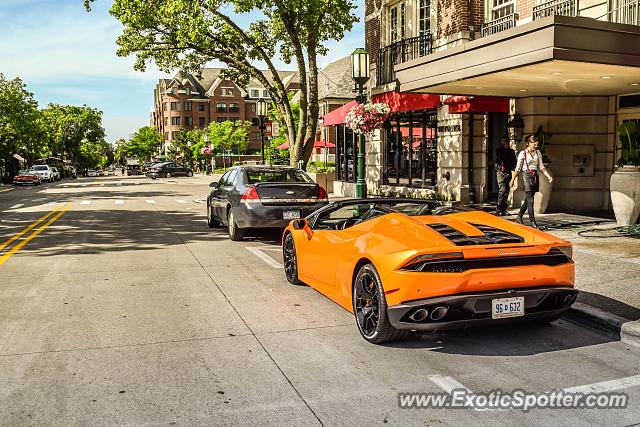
{"type": "Point", "coordinates": [497, 124]}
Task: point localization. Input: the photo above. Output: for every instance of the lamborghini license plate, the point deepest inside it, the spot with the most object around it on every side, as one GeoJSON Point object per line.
{"type": "Point", "coordinates": [507, 307]}
{"type": "Point", "coordinates": [290, 214]}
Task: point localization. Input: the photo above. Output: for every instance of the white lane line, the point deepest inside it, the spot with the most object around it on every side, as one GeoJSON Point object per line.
{"type": "Point", "coordinates": [151, 202]}
{"type": "Point", "coordinates": [180, 201]}
{"type": "Point", "coordinates": [51, 203]}
{"type": "Point", "coordinates": [119, 202]}
{"type": "Point", "coordinates": [606, 386]}
{"type": "Point", "coordinates": [85, 202]}
{"type": "Point", "coordinates": [16, 206]}
{"type": "Point", "coordinates": [448, 384]}
{"type": "Point", "coordinates": [264, 257]}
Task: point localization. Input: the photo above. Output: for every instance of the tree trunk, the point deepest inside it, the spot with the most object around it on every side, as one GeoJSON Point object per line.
{"type": "Point", "coordinates": [312, 123]}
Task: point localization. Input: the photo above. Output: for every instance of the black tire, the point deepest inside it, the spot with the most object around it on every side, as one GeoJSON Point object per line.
{"type": "Point", "coordinates": [212, 222]}
{"type": "Point", "coordinates": [236, 234]}
{"type": "Point", "coordinates": [189, 174]}
{"type": "Point", "coordinates": [370, 308]}
{"type": "Point", "coordinates": [167, 175]}
{"type": "Point", "coordinates": [290, 260]}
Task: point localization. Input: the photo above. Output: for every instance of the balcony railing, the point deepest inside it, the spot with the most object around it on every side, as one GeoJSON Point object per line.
{"type": "Point", "coordinates": [555, 7]}
{"type": "Point", "coordinates": [623, 12]}
{"type": "Point", "coordinates": [500, 24]}
{"type": "Point", "coordinates": [399, 52]}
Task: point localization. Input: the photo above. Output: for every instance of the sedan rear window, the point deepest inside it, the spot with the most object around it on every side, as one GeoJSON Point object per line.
{"type": "Point", "coordinates": [255, 176]}
{"type": "Point", "coordinates": [40, 167]}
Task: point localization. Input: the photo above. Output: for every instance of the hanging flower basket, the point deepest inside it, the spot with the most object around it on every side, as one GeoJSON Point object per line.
{"type": "Point", "coordinates": [363, 119]}
{"type": "Point", "coordinates": [206, 150]}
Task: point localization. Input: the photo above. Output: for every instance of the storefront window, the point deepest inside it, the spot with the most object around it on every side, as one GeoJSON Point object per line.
{"type": "Point", "coordinates": [346, 154]}
{"type": "Point", "coordinates": [411, 150]}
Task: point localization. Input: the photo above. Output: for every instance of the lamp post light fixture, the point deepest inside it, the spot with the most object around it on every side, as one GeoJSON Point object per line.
{"type": "Point", "coordinates": [360, 75]}
{"type": "Point", "coordinates": [515, 126]}
{"type": "Point", "coordinates": [261, 111]}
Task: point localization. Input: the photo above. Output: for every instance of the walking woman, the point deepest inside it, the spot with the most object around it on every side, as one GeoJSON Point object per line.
{"type": "Point", "coordinates": [529, 164]}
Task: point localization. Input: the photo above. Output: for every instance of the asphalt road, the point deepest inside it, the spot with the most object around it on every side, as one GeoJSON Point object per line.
{"type": "Point", "coordinates": [125, 309]}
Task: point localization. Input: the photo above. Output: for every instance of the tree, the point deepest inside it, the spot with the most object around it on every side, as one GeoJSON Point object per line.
{"type": "Point", "coordinates": [186, 34]}
{"type": "Point", "coordinates": [144, 143]}
{"type": "Point", "coordinates": [21, 124]}
{"type": "Point", "coordinates": [228, 135]}
{"type": "Point", "coordinates": [72, 129]}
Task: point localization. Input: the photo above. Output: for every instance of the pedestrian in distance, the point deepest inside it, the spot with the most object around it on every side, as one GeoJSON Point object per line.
{"type": "Point", "coordinates": [529, 165]}
{"type": "Point", "coordinates": [505, 165]}
{"type": "Point", "coordinates": [123, 171]}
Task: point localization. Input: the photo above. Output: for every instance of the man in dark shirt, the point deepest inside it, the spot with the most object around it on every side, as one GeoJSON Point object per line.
{"type": "Point", "coordinates": [505, 164]}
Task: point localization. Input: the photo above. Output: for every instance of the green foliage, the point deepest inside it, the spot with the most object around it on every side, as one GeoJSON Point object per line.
{"type": "Point", "coordinates": [187, 34]}
{"type": "Point", "coordinates": [228, 135]}
{"type": "Point", "coordinates": [629, 136]}
{"type": "Point", "coordinates": [543, 138]}
{"type": "Point", "coordinates": [273, 154]}
{"type": "Point", "coordinates": [144, 143]}
{"type": "Point", "coordinates": [321, 167]}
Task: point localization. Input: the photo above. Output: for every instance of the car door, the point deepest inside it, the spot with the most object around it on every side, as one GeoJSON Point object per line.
{"type": "Point", "coordinates": [181, 170]}
{"type": "Point", "coordinates": [216, 199]}
{"type": "Point", "coordinates": [225, 190]}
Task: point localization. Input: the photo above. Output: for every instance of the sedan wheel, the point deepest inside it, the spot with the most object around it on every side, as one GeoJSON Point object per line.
{"type": "Point", "coordinates": [167, 175]}
{"type": "Point", "coordinates": [235, 233]}
{"type": "Point", "coordinates": [189, 174]}
{"type": "Point", "coordinates": [290, 260]}
{"type": "Point", "coordinates": [370, 308]}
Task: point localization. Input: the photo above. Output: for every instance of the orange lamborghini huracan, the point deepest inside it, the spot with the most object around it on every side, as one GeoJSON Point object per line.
{"type": "Point", "coordinates": [405, 265]}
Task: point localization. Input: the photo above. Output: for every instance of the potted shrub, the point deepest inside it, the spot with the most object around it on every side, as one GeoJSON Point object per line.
{"type": "Point", "coordinates": [322, 173]}
{"type": "Point", "coordinates": [625, 180]}
{"type": "Point", "coordinates": [541, 200]}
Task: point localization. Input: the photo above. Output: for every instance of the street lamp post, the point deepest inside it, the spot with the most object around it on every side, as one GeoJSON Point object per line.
{"type": "Point", "coordinates": [262, 115]}
{"type": "Point", "coordinates": [515, 128]}
{"type": "Point", "coordinates": [360, 75]}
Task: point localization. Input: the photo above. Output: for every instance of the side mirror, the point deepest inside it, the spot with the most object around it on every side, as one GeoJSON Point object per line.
{"type": "Point", "coordinates": [214, 185]}
{"type": "Point", "coordinates": [301, 224]}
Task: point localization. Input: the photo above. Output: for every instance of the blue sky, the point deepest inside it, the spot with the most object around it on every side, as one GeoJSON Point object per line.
{"type": "Point", "coordinates": [67, 56]}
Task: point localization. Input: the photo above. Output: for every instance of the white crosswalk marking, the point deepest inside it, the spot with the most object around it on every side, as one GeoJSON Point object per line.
{"type": "Point", "coordinates": [180, 201]}
{"type": "Point", "coordinates": [51, 203]}
{"type": "Point", "coordinates": [119, 202]}
{"type": "Point", "coordinates": [16, 206]}
{"type": "Point", "coordinates": [151, 202]}
{"type": "Point", "coordinates": [85, 202]}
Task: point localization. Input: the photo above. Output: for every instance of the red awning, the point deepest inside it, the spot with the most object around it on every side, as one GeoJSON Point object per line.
{"type": "Point", "coordinates": [416, 131]}
{"type": "Point", "coordinates": [316, 144]}
{"type": "Point", "coordinates": [477, 104]}
{"type": "Point", "coordinates": [336, 117]}
{"type": "Point", "coordinates": [399, 101]}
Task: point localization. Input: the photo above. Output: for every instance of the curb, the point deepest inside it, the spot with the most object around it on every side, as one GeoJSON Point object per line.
{"type": "Point", "coordinates": [629, 330]}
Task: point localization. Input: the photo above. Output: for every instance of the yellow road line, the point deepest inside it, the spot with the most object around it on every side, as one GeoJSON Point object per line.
{"type": "Point", "coordinates": [17, 247]}
{"type": "Point", "coordinates": [5, 190]}
{"type": "Point", "coordinates": [26, 230]}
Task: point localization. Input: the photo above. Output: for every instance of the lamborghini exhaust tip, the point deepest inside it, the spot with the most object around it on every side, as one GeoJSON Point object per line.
{"type": "Point", "coordinates": [419, 315]}
{"type": "Point", "coordinates": [439, 312]}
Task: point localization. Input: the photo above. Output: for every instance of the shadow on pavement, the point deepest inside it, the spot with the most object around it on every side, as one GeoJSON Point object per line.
{"type": "Point", "coordinates": [609, 305]}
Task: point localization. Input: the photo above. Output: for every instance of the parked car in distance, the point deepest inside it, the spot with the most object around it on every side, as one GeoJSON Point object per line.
{"type": "Point", "coordinates": [147, 165]}
{"type": "Point", "coordinates": [26, 176]}
{"type": "Point", "coordinates": [56, 173]}
{"type": "Point", "coordinates": [168, 169]}
{"type": "Point", "coordinates": [44, 172]}
{"type": "Point", "coordinates": [92, 172]}
{"type": "Point", "coordinates": [249, 197]}
{"type": "Point", "coordinates": [100, 172]}
{"type": "Point", "coordinates": [73, 173]}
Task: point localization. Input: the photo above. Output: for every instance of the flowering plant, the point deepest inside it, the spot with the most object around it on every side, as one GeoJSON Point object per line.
{"type": "Point", "coordinates": [365, 118]}
{"type": "Point", "coordinates": [206, 150]}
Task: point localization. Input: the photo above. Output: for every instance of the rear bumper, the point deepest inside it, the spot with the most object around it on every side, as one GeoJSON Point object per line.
{"type": "Point", "coordinates": [257, 215]}
{"type": "Point", "coordinates": [475, 309]}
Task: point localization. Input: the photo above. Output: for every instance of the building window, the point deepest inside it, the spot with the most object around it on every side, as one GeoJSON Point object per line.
{"type": "Point", "coordinates": [403, 21]}
{"type": "Point", "coordinates": [393, 24]}
{"type": "Point", "coordinates": [188, 90]}
{"type": "Point", "coordinates": [201, 121]}
{"type": "Point", "coordinates": [253, 108]}
{"type": "Point", "coordinates": [234, 119]}
{"type": "Point", "coordinates": [188, 106]}
{"type": "Point", "coordinates": [221, 119]}
{"type": "Point", "coordinates": [164, 106]}
{"type": "Point", "coordinates": [175, 106]}
{"type": "Point", "coordinates": [221, 107]}
{"type": "Point", "coordinates": [227, 91]}
{"type": "Point", "coordinates": [234, 107]}
{"type": "Point", "coordinates": [424, 16]}
{"type": "Point", "coordinates": [256, 135]}
{"type": "Point", "coordinates": [175, 121]}
{"type": "Point", "coordinates": [255, 121]}
{"type": "Point", "coordinates": [188, 121]}
{"type": "Point", "coordinates": [174, 90]}
{"type": "Point", "coordinates": [265, 93]}
{"type": "Point", "coordinates": [255, 93]}
{"type": "Point", "coordinates": [501, 8]}
{"type": "Point", "coordinates": [201, 106]}
{"type": "Point", "coordinates": [165, 121]}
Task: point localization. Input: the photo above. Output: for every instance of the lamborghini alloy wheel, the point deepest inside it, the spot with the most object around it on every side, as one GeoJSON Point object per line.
{"type": "Point", "coordinates": [370, 308]}
{"type": "Point", "coordinates": [290, 260]}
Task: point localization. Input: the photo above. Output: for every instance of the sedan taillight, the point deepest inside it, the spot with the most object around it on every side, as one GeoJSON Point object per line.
{"type": "Point", "coordinates": [322, 195]}
{"type": "Point", "coordinates": [251, 195]}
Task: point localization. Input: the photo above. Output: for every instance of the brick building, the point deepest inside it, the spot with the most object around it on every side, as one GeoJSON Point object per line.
{"type": "Point", "coordinates": [185, 102]}
{"type": "Point", "coordinates": [456, 71]}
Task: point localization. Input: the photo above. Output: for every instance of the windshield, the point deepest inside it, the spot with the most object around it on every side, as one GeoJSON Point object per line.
{"type": "Point", "coordinates": [40, 168]}
{"type": "Point", "coordinates": [255, 176]}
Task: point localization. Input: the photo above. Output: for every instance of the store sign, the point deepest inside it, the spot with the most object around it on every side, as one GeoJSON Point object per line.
{"type": "Point", "coordinates": [449, 128]}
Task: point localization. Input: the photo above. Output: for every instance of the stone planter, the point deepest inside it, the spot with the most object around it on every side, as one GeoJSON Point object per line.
{"type": "Point", "coordinates": [542, 197]}
{"type": "Point", "coordinates": [625, 194]}
{"type": "Point", "coordinates": [325, 179]}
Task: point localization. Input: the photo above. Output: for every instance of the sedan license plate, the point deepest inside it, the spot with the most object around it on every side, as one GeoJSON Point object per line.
{"type": "Point", "coordinates": [507, 307]}
{"type": "Point", "coordinates": [290, 214]}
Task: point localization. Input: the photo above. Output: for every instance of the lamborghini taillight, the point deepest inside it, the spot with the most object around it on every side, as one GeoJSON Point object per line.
{"type": "Point", "coordinates": [566, 250]}
{"type": "Point", "coordinates": [417, 261]}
